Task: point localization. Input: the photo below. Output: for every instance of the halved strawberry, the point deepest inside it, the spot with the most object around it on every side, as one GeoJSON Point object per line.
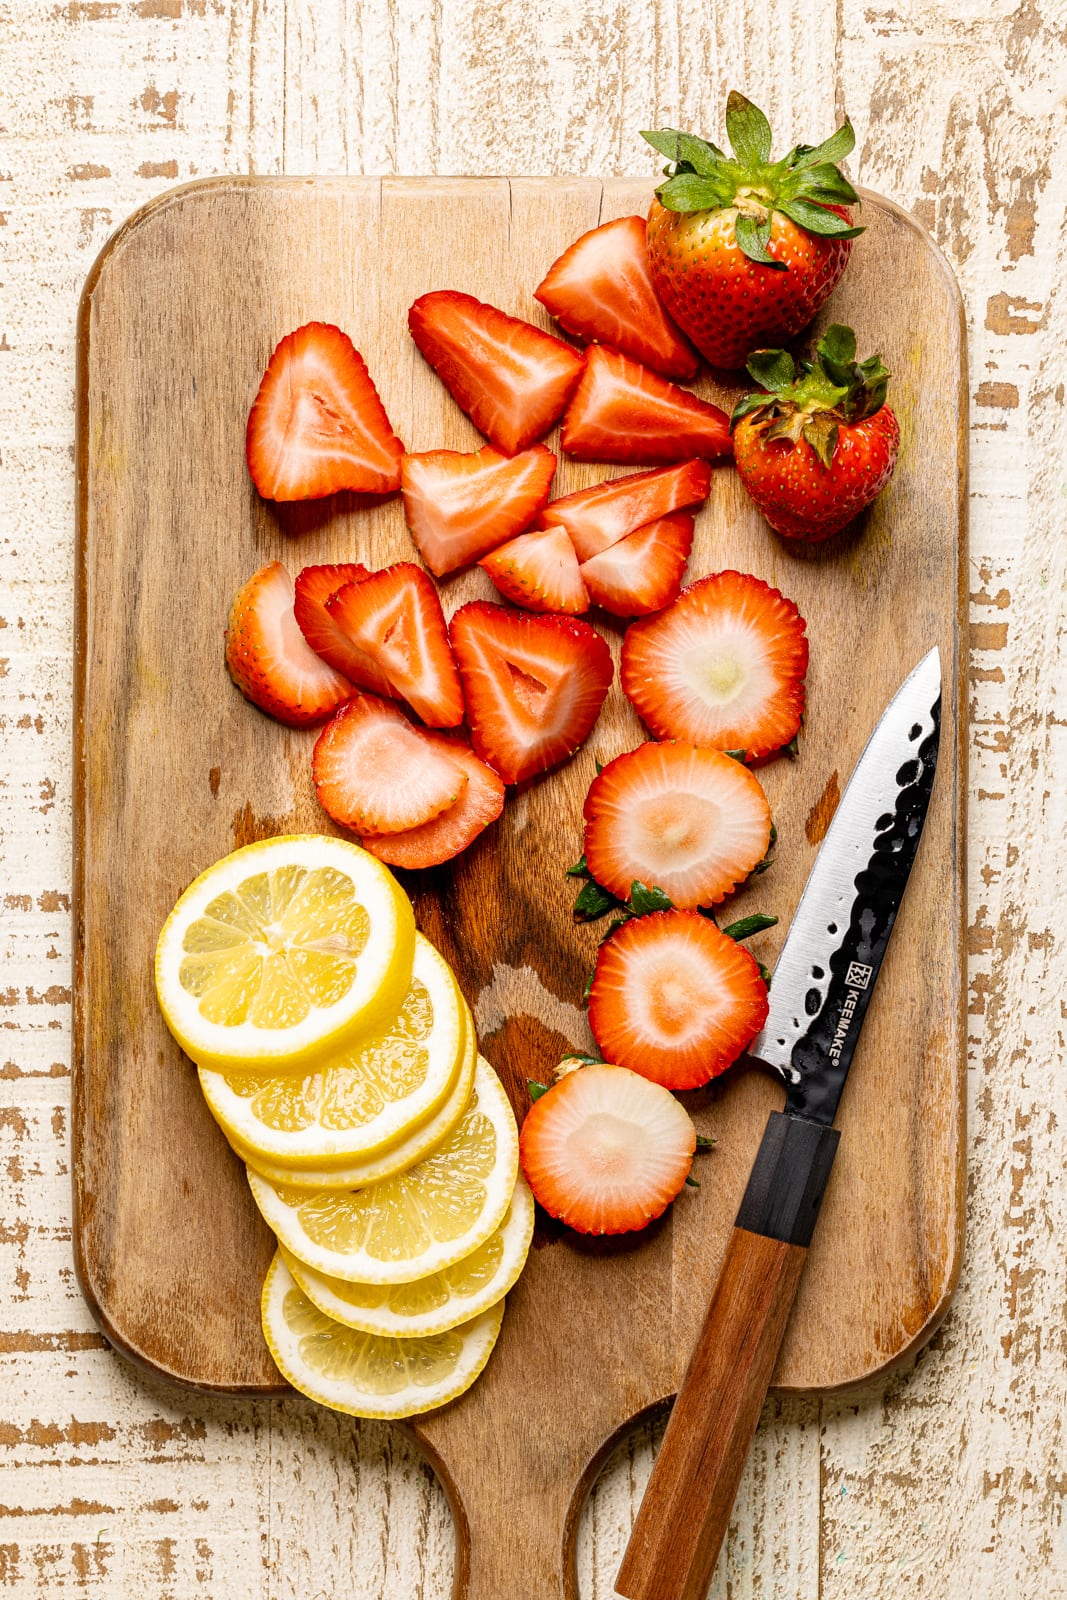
{"type": "Point", "coordinates": [512, 379]}
{"type": "Point", "coordinates": [598, 517]}
{"type": "Point", "coordinates": [539, 571]}
{"type": "Point", "coordinates": [317, 424]}
{"type": "Point", "coordinates": [644, 571]}
{"type": "Point", "coordinates": [723, 667]}
{"type": "Point", "coordinates": [675, 999]}
{"type": "Point", "coordinates": [395, 617]}
{"type": "Point", "coordinates": [269, 659]}
{"type": "Point", "coordinates": [534, 685]}
{"type": "Point", "coordinates": [481, 803]}
{"type": "Point", "coordinates": [375, 773]}
{"type": "Point", "coordinates": [601, 290]}
{"type": "Point", "coordinates": [459, 506]}
{"type": "Point", "coordinates": [314, 587]}
{"type": "Point", "coordinates": [691, 822]}
{"type": "Point", "coordinates": [621, 411]}
{"type": "Point", "coordinates": [605, 1150]}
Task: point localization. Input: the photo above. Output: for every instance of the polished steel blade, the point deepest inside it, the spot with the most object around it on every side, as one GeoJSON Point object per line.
{"type": "Point", "coordinates": [829, 964]}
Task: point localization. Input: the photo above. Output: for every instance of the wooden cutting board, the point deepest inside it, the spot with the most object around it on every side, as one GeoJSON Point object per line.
{"type": "Point", "coordinates": [174, 769]}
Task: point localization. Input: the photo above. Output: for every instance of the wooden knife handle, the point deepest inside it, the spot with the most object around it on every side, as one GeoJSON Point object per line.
{"type": "Point", "coordinates": [684, 1515]}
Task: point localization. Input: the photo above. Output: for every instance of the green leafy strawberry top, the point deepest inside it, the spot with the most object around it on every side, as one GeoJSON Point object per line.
{"type": "Point", "coordinates": [832, 389]}
{"type": "Point", "coordinates": [801, 185]}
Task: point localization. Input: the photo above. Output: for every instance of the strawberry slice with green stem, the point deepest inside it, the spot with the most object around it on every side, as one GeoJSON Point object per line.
{"type": "Point", "coordinates": [394, 616]}
{"type": "Point", "coordinates": [269, 659]}
{"type": "Point", "coordinates": [599, 517]}
{"type": "Point", "coordinates": [376, 773]}
{"type": "Point", "coordinates": [460, 506]}
{"type": "Point", "coordinates": [622, 411]}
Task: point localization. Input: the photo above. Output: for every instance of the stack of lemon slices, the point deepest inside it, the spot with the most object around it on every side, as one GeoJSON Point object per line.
{"type": "Point", "coordinates": [339, 1057]}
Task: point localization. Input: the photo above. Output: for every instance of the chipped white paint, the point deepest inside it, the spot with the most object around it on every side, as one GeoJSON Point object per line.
{"type": "Point", "coordinates": [945, 1482]}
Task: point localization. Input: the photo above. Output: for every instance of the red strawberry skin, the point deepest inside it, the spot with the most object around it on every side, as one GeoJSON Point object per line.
{"type": "Point", "coordinates": [534, 685]}
{"type": "Point", "coordinates": [601, 291]}
{"type": "Point", "coordinates": [269, 659]}
{"type": "Point", "coordinates": [596, 518]}
{"type": "Point", "coordinates": [454, 830]}
{"type": "Point", "coordinates": [315, 586]}
{"type": "Point", "coordinates": [727, 304]}
{"type": "Point", "coordinates": [799, 496]}
{"type": "Point", "coordinates": [643, 572]}
{"type": "Point", "coordinates": [317, 424]}
{"type": "Point", "coordinates": [622, 411]}
{"type": "Point", "coordinates": [460, 506]}
{"type": "Point", "coordinates": [539, 571]}
{"type": "Point", "coordinates": [395, 617]}
{"type": "Point", "coordinates": [513, 380]}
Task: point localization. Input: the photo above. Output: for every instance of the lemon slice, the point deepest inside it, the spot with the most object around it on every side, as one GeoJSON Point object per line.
{"type": "Point", "coordinates": [417, 1222]}
{"type": "Point", "coordinates": [362, 1099]}
{"type": "Point", "coordinates": [396, 1157]}
{"type": "Point", "coordinates": [366, 1374]}
{"type": "Point", "coordinates": [279, 950]}
{"type": "Point", "coordinates": [433, 1304]}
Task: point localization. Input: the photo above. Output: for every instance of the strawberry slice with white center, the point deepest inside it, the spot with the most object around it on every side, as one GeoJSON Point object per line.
{"type": "Point", "coordinates": [481, 803]}
{"type": "Point", "coordinates": [314, 587]}
{"type": "Point", "coordinates": [534, 685]}
{"type": "Point", "coordinates": [606, 1151]}
{"type": "Point", "coordinates": [269, 659]}
{"type": "Point", "coordinates": [622, 411]}
{"type": "Point", "coordinates": [599, 517]}
{"type": "Point", "coordinates": [675, 999]}
{"type": "Point", "coordinates": [395, 617]}
{"type": "Point", "coordinates": [513, 380]}
{"type": "Point", "coordinates": [722, 667]}
{"type": "Point", "coordinates": [460, 506]}
{"type": "Point", "coordinates": [644, 571]}
{"type": "Point", "coordinates": [317, 424]}
{"type": "Point", "coordinates": [601, 291]}
{"type": "Point", "coordinates": [692, 822]}
{"type": "Point", "coordinates": [375, 773]}
{"type": "Point", "coordinates": [539, 571]}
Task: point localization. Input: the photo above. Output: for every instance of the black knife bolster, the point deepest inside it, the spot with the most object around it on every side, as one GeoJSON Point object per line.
{"type": "Point", "coordinates": [788, 1179]}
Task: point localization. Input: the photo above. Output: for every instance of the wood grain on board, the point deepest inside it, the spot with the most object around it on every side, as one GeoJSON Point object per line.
{"type": "Point", "coordinates": [174, 769]}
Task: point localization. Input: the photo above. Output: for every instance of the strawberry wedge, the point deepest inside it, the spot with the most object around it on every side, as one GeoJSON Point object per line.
{"type": "Point", "coordinates": [375, 773]}
{"type": "Point", "coordinates": [314, 587]}
{"type": "Point", "coordinates": [394, 616]}
{"type": "Point", "coordinates": [644, 571]}
{"type": "Point", "coordinates": [621, 411]}
{"type": "Point", "coordinates": [513, 380]}
{"type": "Point", "coordinates": [596, 518]}
{"type": "Point", "coordinates": [269, 659]}
{"type": "Point", "coordinates": [447, 835]}
{"type": "Point", "coordinates": [459, 507]}
{"type": "Point", "coordinates": [601, 291]}
{"type": "Point", "coordinates": [539, 571]}
{"type": "Point", "coordinates": [317, 424]}
{"type": "Point", "coordinates": [534, 685]}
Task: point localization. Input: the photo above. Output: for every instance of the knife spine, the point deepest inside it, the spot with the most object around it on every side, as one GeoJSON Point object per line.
{"type": "Point", "coordinates": [788, 1179]}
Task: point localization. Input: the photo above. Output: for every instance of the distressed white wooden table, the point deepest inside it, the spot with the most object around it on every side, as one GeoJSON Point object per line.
{"type": "Point", "coordinates": [947, 1481]}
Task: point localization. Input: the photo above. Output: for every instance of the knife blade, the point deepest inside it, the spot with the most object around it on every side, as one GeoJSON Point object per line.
{"type": "Point", "coordinates": [821, 988]}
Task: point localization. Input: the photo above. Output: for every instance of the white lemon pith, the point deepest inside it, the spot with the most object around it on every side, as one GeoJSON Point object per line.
{"type": "Point", "coordinates": [278, 951]}
{"type": "Point", "coordinates": [366, 1374]}
{"type": "Point", "coordinates": [396, 1157]}
{"type": "Point", "coordinates": [417, 1222]}
{"type": "Point", "coordinates": [435, 1303]}
{"type": "Point", "coordinates": [370, 1094]}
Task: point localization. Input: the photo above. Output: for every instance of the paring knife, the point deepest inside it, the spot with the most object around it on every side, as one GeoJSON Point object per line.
{"type": "Point", "coordinates": [818, 999]}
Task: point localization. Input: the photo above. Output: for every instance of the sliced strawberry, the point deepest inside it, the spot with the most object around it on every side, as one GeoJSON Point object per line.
{"type": "Point", "coordinates": [513, 380]}
{"type": "Point", "coordinates": [623, 412]}
{"type": "Point", "coordinates": [375, 773]}
{"type": "Point", "coordinates": [317, 424]}
{"type": "Point", "coordinates": [601, 290]}
{"type": "Point", "coordinates": [598, 517]}
{"type": "Point", "coordinates": [395, 617]}
{"type": "Point", "coordinates": [539, 571]}
{"type": "Point", "coordinates": [605, 1150]}
{"type": "Point", "coordinates": [534, 685]}
{"type": "Point", "coordinates": [316, 585]}
{"type": "Point", "coordinates": [269, 659]}
{"type": "Point", "coordinates": [675, 999]}
{"type": "Point", "coordinates": [458, 506]}
{"type": "Point", "coordinates": [481, 803]}
{"type": "Point", "coordinates": [723, 667]}
{"type": "Point", "coordinates": [644, 571]}
{"type": "Point", "coordinates": [691, 822]}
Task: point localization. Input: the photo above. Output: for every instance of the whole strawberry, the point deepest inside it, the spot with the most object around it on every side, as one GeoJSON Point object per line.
{"type": "Point", "coordinates": [744, 250]}
{"type": "Point", "coordinates": [813, 450]}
